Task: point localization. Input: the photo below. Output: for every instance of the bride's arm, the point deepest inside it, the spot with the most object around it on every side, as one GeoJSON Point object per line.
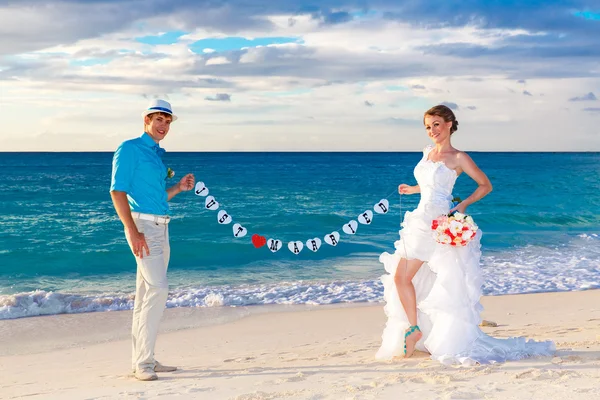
{"type": "Point", "coordinates": [484, 187]}
{"type": "Point", "coordinates": [407, 189]}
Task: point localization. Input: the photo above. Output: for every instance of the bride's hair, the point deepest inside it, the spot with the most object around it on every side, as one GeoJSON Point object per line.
{"type": "Point", "coordinates": [443, 112]}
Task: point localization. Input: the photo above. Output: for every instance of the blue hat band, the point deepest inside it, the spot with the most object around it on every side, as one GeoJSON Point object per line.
{"type": "Point", "coordinates": [161, 109]}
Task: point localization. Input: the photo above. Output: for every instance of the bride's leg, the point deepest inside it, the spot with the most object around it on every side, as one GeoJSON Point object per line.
{"type": "Point", "coordinates": [405, 272]}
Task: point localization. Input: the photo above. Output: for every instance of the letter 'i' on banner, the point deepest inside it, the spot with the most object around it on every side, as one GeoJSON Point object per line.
{"type": "Point", "coordinates": [350, 228]}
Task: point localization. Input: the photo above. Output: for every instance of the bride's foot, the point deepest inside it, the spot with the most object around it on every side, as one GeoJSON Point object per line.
{"type": "Point", "coordinates": [411, 337]}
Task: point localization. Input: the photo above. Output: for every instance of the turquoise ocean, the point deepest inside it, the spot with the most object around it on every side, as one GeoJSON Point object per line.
{"type": "Point", "coordinates": [62, 247]}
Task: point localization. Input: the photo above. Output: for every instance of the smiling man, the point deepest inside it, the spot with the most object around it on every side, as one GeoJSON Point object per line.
{"type": "Point", "coordinates": [140, 195]}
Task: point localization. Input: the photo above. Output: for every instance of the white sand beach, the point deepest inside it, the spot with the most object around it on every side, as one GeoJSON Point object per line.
{"type": "Point", "coordinates": [300, 352]}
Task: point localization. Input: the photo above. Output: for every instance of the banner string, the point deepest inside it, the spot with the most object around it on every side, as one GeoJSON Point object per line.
{"type": "Point", "coordinates": [240, 231]}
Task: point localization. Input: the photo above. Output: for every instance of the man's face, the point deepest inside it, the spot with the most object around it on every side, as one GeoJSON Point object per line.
{"type": "Point", "coordinates": [157, 125]}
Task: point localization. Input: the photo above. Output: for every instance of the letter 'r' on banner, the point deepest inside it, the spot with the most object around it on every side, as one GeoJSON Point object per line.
{"type": "Point", "coordinates": [332, 238]}
{"type": "Point", "coordinates": [313, 244]}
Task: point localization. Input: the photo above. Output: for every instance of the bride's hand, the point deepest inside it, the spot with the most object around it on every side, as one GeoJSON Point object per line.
{"type": "Point", "coordinates": [405, 189]}
{"type": "Point", "coordinates": [461, 208]}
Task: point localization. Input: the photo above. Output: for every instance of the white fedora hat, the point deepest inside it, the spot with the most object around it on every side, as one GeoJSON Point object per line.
{"type": "Point", "coordinates": [159, 105]}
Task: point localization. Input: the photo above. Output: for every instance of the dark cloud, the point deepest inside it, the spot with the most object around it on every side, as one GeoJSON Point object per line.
{"type": "Point", "coordinates": [369, 104]}
{"type": "Point", "coordinates": [563, 37]}
{"type": "Point", "coordinates": [592, 109]}
{"type": "Point", "coordinates": [471, 108]}
{"type": "Point", "coordinates": [527, 93]}
{"type": "Point", "coordinates": [219, 97]}
{"type": "Point", "coordinates": [521, 81]}
{"type": "Point", "coordinates": [586, 97]}
{"type": "Point", "coordinates": [450, 105]}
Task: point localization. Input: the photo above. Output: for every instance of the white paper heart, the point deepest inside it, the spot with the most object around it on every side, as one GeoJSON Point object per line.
{"type": "Point", "coordinates": [313, 244]}
{"type": "Point", "coordinates": [351, 227]}
{"type": "Point", "coordinates": [201, 189]}
{"type": "Point", "coordinates": [295, 247]}
{"type": "Point", "coordinates": [223, 218]}
{"type": "Point", "coordinates": [274, 245]}
{"type": "Point", "coordinates": [239, 231]}
{"type": "Point", "coordinates": [210, 203]}
{"type": "Point", "coordinates": [332, 239]}
{"type": "Point", "coordinates": [366, 218]}
{"type": "Point", "coordinates": [382, 207]}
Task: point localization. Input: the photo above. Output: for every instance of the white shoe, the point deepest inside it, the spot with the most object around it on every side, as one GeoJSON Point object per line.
{"type": "Point", "coordinates": [158, 367]}
{"type": "Point", "coordinates": [146, 374]}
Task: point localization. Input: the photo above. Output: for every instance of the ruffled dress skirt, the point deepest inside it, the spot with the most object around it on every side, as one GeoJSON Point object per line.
{"type": "Point", "coordinates": [448, 289]}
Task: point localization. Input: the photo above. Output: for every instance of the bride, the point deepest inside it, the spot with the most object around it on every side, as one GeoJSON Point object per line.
{"type": "Point", "coordinates": [432, 290]}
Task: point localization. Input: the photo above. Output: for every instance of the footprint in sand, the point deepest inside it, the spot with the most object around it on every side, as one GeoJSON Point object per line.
{"type": "Point", "coordinates": [433, 379]}
{"type": "Point", "coordinates": [337, 354]}
{"type": "Point", "coordinates": [546, 374]}
{"type": "Point", "coordinates": [239, 359]}
{"type": "Point", "coordinates": [462, 395]}
{"type": "Point", "coordinates": [299, 377]}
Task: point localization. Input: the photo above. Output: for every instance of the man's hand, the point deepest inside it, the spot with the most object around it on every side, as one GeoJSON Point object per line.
{"type": "Point", "coordinates": [138, 243]}
{"type": "Point", "coordinates": [187, 183]}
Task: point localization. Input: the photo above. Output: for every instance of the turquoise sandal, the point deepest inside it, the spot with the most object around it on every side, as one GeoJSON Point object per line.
{"type": "Point", "coordinates": [409, 332]}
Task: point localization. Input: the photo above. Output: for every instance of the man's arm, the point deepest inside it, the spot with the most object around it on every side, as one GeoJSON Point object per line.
{"type": "Point", "coordinates": [173, 191]}
{"type": "Point", "coordinates": [186, 183]}
{"type": "Point", "coordinates": [123, 211]}
{"type": "Point", "coordinates": [137, 240]}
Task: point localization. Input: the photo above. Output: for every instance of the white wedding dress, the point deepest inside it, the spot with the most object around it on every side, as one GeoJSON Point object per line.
{"type": "Point", "coordinates": [448, 286]}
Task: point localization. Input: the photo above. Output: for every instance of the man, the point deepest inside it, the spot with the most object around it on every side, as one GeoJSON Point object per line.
{"type": "Point", "coordinates": [139, 193]}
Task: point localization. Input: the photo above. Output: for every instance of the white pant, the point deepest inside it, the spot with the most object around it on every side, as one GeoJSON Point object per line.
{"type": "Point", "coordinates": [151, 292]}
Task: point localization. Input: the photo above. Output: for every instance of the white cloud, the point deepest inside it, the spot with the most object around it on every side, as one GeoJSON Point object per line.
{"type": "Point", "coordinates": [307, 96]}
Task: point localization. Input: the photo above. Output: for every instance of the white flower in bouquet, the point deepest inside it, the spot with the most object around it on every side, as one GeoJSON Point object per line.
{"type": "Point", "coordinates": [443, 238]}
{"type": "Point", "coordinates": [459, 215]}
{"type": "Point", "coordinates": [455, 227]}
{"type": "Point", "coordinates": [466, 235]}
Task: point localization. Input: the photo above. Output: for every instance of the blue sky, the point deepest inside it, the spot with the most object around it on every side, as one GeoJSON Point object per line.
{"type": "Point", "coordinates": [299, 75]}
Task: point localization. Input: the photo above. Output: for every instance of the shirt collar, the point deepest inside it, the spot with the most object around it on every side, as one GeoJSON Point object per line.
{"type": "Point", "coordinates": [148, 141]}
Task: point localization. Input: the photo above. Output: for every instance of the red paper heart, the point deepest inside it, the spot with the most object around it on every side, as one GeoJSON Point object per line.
{"type": "Point", "coordinates": [258, 241]}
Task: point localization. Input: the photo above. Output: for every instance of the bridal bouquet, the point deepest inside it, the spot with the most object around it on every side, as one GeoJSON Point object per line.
{"type": "Point", "coordinates": [456, 229]}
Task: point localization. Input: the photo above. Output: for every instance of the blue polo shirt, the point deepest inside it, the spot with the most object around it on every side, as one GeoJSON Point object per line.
{"type": "Point", "coordinates": [138, 170]}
